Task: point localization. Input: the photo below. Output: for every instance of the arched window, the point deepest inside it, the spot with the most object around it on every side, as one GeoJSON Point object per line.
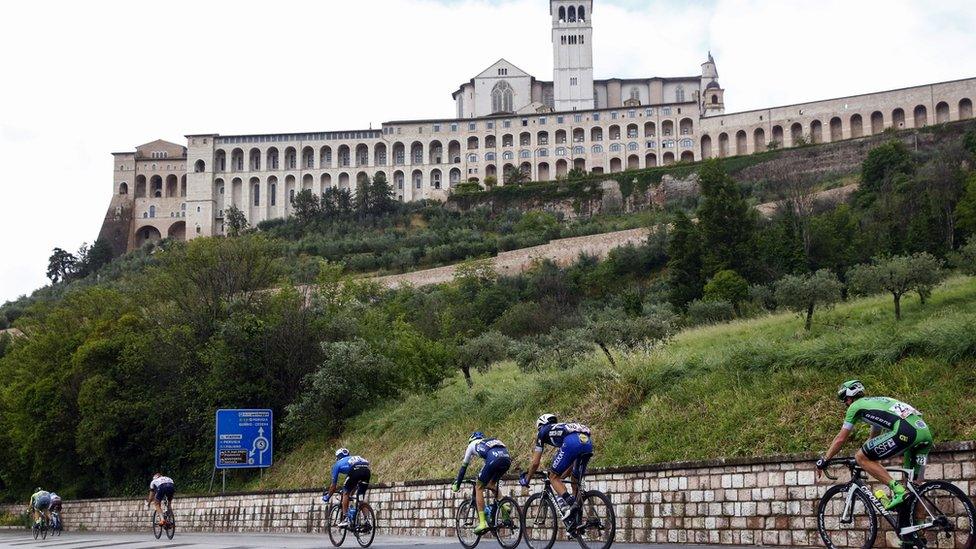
{"type": "Point", "coordinates": [199, 166]}
{"type": "Point", "coordinates": [634, 92]}
{"type": "Point", "coordinates": [571, 13]}
{"type": "Point", "coordinates": [581, 13]}
{"type": "Point", "coordinates": [152, 211]}
{"type": "Point", "coordinates": [579, 151]}
{"type": "Point", "coordinates": [679, 94]}
{"type": "Point", "coordinates": [562, 13]}
{"type": "Point", "coordinates": [273, 194]}
{"type": "Point", "coordinates": [502, 97]}
{"type": "Point", "coordinates": [597, 149]}
{"type": "Point", "coordinates": [123, 188]}
{"type": "Point", "coordinates": [257, 194]}
{"type": "Point", "coordinates": [525, 154]}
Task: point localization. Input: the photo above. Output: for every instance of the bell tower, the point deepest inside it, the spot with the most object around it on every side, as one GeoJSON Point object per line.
{"type": "Point", "coordinates": [572, 47]}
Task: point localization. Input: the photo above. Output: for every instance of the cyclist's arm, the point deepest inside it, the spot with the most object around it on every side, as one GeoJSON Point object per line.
{"type": "Point", "coordinates": [536, 460]}
{"type": "Point", "coordinates": [839, 441]}
{"type": "Point", "coordinates": [465, 461]}
{"type": "Point", "coordinates": [334, 484]}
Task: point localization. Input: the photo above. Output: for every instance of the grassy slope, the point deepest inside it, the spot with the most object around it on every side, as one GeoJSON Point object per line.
{"type": "Point", "coordinates": [747, 388]}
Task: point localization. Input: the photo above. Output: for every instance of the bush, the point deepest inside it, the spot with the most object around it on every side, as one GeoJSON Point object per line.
{"type": "Point", "coordinates": [709, 312]}
{"type": "Point", "coordinates": [729, 287]}
{"type": "Point", "coordinates": [965, 258]}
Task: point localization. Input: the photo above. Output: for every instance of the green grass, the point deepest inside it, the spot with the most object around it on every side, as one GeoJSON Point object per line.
{"type": "Point", "coordinates": [752, 387]}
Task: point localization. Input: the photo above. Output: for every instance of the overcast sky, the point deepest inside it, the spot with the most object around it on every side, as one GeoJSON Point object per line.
{"type": "Point", "coordinates": [79, 80]}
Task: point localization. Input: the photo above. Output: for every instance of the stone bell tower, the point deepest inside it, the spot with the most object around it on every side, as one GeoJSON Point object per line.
{"type": "Point", "coordinates": [572, 47]}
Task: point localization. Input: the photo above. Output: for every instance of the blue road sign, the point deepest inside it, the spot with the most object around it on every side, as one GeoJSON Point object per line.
{"type": "Point", "coordinates": [244, 439]}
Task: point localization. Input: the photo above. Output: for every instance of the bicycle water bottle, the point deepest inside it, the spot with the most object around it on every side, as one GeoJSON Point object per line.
{"type": "Point", "coordinates": [882, 497]}
{"type": "Point", "coordinates": [351, 514]}
{"type": "Point", "coordinates": [488, 510]}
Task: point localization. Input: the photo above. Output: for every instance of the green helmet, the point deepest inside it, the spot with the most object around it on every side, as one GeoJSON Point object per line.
{"type": "Point", "coordinates": [850, 389]}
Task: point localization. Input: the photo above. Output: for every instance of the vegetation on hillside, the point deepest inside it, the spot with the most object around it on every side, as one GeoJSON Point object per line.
{"type": "Point", "coordinates": [119, 372]}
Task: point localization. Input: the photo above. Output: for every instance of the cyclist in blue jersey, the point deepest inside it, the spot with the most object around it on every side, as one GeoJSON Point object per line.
{"type": "Point", "coordinates": [575, 450]}
{"type": "Point", "coordinates": [497, 463]}
{"type": "Point", "coordinates": [357, 473]}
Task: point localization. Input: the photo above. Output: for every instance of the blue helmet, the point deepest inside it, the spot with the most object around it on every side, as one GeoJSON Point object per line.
{"type": "Point", "coordinates": [341, 453]}
{"type": "Point", "coordinates": [477, 435]}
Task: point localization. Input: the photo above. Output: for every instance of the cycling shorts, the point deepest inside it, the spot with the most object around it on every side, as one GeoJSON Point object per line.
{"type": "Point", "coordinates": [165, 491]}
{"type": "Point", "coordinates": [357, 479]}
{"type": "Point", "coordinates": [576, 451]}
{"type": "Point", "coordinates": [495, 468]}
{"type": "Point", "coordinates": [910, 436]}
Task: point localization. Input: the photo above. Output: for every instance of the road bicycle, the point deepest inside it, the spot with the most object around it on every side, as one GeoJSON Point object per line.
{"type": "Point", "coordinates": [56, 526]}
{"type": "Point", "coordinates": [362, 525]}
{"type": "Point", "coordinates": [505, 520]}
{"type": "Point", "coordinates": [592, 521]}
{"type": "Point", "coordinates": [169, 520]}
{"type": "Point", "coordinates": [935, 514]}
{"type": "Point", "coordinates": [39, 529]}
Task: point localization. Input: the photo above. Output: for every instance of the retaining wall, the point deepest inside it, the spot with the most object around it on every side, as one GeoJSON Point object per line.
{"type": "Point", "coordinates": [751, 501]}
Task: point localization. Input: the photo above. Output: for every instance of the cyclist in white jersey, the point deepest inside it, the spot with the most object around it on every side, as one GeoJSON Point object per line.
{"type": "Point", "coordinates": [160, 487]}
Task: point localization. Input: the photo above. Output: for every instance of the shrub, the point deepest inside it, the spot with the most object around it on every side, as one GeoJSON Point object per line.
{"type": "Point", "coordinates": [709, 312]}
{"type": "Point", "coordinates": [727, 286]}
{"type": "Point", "coordinates": [965, 258]}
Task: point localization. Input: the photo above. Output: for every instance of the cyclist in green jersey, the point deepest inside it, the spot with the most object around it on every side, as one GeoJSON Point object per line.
{"type": "Point", "coordinates": [896, 429]}
{"type": "Point", "coordinates": [40, 504]}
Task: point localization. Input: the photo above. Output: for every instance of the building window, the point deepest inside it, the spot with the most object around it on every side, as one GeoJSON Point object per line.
{"type": "Point", "coordinates": [577, 118]}
{"type": "Point", "coordinates": [542, 120]}
{"type": "Point", "coordinates": [666, 111]}
{"type": "Point", "coordinates": [274, 194]}
{"type": "Point", "coordinates": [507, 124]}
{"type": "Point", "coordinates": [596, 117]}
{"type": "Point", "coordinates": [437, 128]}
{"type": "Point", "coordinates": [502, 72]}
{"type": "Point", "coordinates": [472, 126]}
{"type": "Point", "coordinates": [573, 81]}
{"type": "Point", "coordinates": [490, 125]}
{"type": "Point", "coordinates": [679, 95]}
{"type": "Point", "coordinates": [454, 127]}
{"type": "Point", "coordinates": [502, 97]}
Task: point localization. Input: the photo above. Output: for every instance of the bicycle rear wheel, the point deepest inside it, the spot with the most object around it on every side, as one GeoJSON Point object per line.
{"type": "Point", "coordinates": [157, 529]}
{"type": "Point", "coordinates": [541, 522]}
{"type": "Point", "coordinates": [844, 526]}
{"type": "Point", "coordinates": [953, 513]}
{"type": "Point", "coordinates": [37, 531]}
{"type": "Point", "coordinates": [57, 527]}
{"type": "Point", "coordinates": [597, 525]}
{"type": "Point", "coordinates": [170, 524]}
{"type": "Point", "coordinates": [365, 525]}
{"type": "Point", "coordinates": [465, 521]}
{"type": "Point", "coordinates": [507, 523]}
{"type": "Point", "coordinates": [336, 535]}
{"type": "Point", "coordinates": [44, 528]}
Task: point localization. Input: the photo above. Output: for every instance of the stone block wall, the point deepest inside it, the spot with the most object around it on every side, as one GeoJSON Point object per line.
{"type": "Point", "coordinates": [751, 501]}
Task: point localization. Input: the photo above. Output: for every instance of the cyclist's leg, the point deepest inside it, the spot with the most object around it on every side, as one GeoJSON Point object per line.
{"type": "Point", "coordinates": [889, 445]}
{"type": "Point", "coordinates": [917, 457]}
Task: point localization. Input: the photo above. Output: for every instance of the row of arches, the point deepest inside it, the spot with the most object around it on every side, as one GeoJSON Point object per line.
{"type": "Point", "coordinates": [431, 152]}
{"type": "Point", "coordinates": [572, 13]}
{"type": "Point", "coordinates": [836, 129]}
{"type": "Point", "coordinates": [156, 187]}
{"type": "Point", "coordinates": [151, 233]}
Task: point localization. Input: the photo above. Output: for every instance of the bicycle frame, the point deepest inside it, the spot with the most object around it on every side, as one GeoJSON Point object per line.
{"type": "Point", "coordinates": [859, 483]}
{"type": "Point", "coordinates": [576, 483]}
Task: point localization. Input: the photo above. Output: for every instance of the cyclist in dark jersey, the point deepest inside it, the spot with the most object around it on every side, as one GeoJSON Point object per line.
{"type": "Point", "coordinates": [575, 450]}
{"type": "Point", "coordinates": [497, 463]}
{"type": "Point", "coordinates": [356, 470]}
{"type": "Point", "coordinates": [896, 429]}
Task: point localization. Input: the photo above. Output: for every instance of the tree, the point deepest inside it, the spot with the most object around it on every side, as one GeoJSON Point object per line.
{"type": "Point", "coordinates": [237, 223]}
{"type": "Point", "coordinates": [965, 258]}
{"type": "Point", "coordinates": [515, 176]}
{"type": "Point", "coordinates": [879, 169]}
{"type": "Point", "coordinates": [306, 206]}
{"type": "Point", "coordinates": [60, 266]}
{"type": "Point", "coordinates": [685, 264]}
{"type": "Point", "coordinates": [966, 208]}
{"type": "Point", "coordinates": [727, 224]}
{"type": "Point", "coordinates": [362, 199]}
{"type": "Point", "coordinates": [969, 141]}
{"type": "Point", "coordinates": [727, 286]}
{"type": "Point", "coordinates": [481, 352]}
{"type": "Point", "coordinates": [628, 332]}
{"type": "Point", "coordinates": [803, 293]}
{"type": "Point", "coordinates": [897, 276]}
{"type": "Point", "coordinates": [576, 174]}
{"type": "Point", "coordinates": [490, 182]}
{"type": "Point", "coordinates": [99, 255]}
{"type": "Point", "coordinates": [381, 195]}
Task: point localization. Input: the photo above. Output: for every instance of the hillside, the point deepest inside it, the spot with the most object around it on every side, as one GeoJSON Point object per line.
{"type": "Point", "coordinates": [750, 387]}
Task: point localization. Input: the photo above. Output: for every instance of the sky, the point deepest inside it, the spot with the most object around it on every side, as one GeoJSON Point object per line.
{"type": "Point", "coordinates": [80, 80]}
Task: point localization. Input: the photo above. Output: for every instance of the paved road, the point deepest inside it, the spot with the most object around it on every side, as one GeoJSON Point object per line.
{"type": "Point", "coordinates": [75, 540]}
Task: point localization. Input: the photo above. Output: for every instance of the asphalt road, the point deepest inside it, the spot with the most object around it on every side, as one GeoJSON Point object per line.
{"type": "Point", "coordinates": [76, 540]}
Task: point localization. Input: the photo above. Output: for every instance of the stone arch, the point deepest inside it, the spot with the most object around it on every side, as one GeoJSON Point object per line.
{"type": "Point", "coordinates": [417, 179]}
{"type": "Point", "coordinates": [220, 160]}
{"type": "Point", "coordinates": [741, 143]}
{"type": "Point", "coordinates": [562, 168]}
{"type": "Point", "coordinates": [140, 186]}
{"type": "Point", "coordinates": [199, 166]}
{"type": "Point", "coordinates": [237, 160]}
{"type": "Point", "coordinates": [796, 133]}
{"type": "Point", "coordinates": [542, 138]}
{"type": "Point", "coordinates": [616, 165]}
{"type": "Point", "coordinates": [898, 118]}
{"type": "Point", "coordinates": [921, 115]}
{"type": "Point", "coordinates": [435, 152]}
{"type": "Point", "coordinates": [778, 136]}
{"type": "Point", "coordinates": [836, 129]}
{"type": "Point", "coordinates": [473, 143]}
{"type": "Point", "coordinates": [562, 13]}
{"type": "Point", "coordinates": [877, 122]}
{"type": "Point", "coordinates": [289, 191]}
{"type": "Point", "coordinates": [686, 126]}
{"type": "Point", "coordinates": [379, 154]}
{"type": "Point", "coordinates": [344, 180]}
{"type": "Point", "coordinates": [123, 188]}
{"type": "Point", "coordinates": [147, 234]}
{"type": "Point", "coordinates": [650, 129]}
{"type": "Point", "coordinates": [491, 171]}
{"type": "Point", "coordinates": [172, 186]}
{"type": "Point", "coordinates": [398, 178]}
{"type": "Point", "coordinates": [177, 231]}
{"type": "Point", "coordinates": [687, 156]}
{"type": "Point", "coordinates": [362, 155]}
{"type": "Point", "coordinates": [291, 158]}
{"type": "Point", "coordinates": [254, 160]}
{"type": "Point", "coordinates": [633, 162]}
{"type": "Point", "coordinates": [325, 157]}
{"type": "Point", "coordinates": [581, 13]}
{"type": "Point", "coordinates": [596, 134]}
{"type": "Point", "coordinates": [344, 156]}
{"type": "Point", "coordinates": [454, 148]}
{"type": "Point", "coordinates": [965, 108]}
{"type": "Point", "coordinates": [416, 153]}
{"type": "Point", "coordinates": [254, 185]}
{"type": "Point", "coordinates": [758, 140]}
{"type": "Point", "coordinates": [650, 160]}
{"type": "Point", "coordinates": [579, 164]}
{"type": "Point", "coordinates": [218, 194]}
{"type": "Point", "coordinates": [454, 177]}
{"type": "Point", "coordinates": [632, 131]}
{"type": "Point", "coordinates": [613, 132]}
{"type": "Point", "coordinates": [560, 138]}
{"type": "Point", "coordinates": [308, 158]}
{"type": "Point", "coordinates": [502, 97]}
{"type": "Point", "coordinates": [183, 185]}
{"type": "Point", "coordinates": [857, 125]}
{"type": "Point", "coordinates": [543, 171]}
{"type": "Point", "coordinates": [941, 112]}
{"type": "Point", "coordinates": [706, 147]}
{"type": "Point", "coordinates": [325, 182]}
{"type": "Point", "coordinates": [273, 191]}
{"type": "Point", "coordinates": [579, 135]}
{"type": "Point", "coordinates": [307, 182]}
{"type": "Point", "coordinates": [723, 145]}
{"type": "Point", "coordinates": [667, 127]}
{"type": "Point", "coordinates": [816, 131]}
{"type": "Point", "coordinates": [272, 158]}
{"type": "Point", "coordinates": [156, 186]}
{"type": "Point", "coordinates": [668, 158]}
{"type": "Point", "coordinates": [525, 139]}
{"type": "Point", "coordinates": [571, 14]}
{"type": "Point", "coordinates": [399, 154]}
{"type": "Point", "coordinates": [435, 178]}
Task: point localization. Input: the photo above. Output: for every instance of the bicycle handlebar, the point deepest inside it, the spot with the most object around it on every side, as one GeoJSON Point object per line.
{"type": "Point", "coordinates": [848, 462]}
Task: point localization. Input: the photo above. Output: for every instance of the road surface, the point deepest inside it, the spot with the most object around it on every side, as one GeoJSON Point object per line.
{"type": "Point", "coordinates": [77, 540]}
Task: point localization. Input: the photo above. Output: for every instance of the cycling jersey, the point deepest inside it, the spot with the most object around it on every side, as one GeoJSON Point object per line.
{"type": "Point", "coordinates": [495, 454]}
{"type": "Point", "coordinates": [881, 412]}
{"type": "Point", "coordinates": [904, 431]}
{"type": "Point", "coordinates": [356, 470]}
{"type": "Point", "coordinates": [554, 434]}
{"type": "Point", "coordinates": [41, 500]}
{"type": "Point", "coordinates": [159, 481]}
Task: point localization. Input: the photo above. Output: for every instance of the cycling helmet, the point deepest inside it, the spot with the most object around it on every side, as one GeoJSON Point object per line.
{"type": "Point", "coordinates": [477, 435]}
{"type": "Point", "coordinates": [341, 453]}
{"type": "Point", "coordinates": [850, 389]}
{"type": "Point", "coordinates": [38, 489]}
{"type": "Point", "coordinates": [545, 419]}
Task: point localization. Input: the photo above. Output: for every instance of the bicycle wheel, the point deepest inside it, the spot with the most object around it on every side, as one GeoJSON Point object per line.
{"type": "Point", "coordinates": [43, 530]}
{"type": "Point", "coordinates": [37, 531]}
{"type": "Point", "coordinates": [336, 534]}
{"type": "Point", "coordinates": [157, 529]}
{"type": "Point", "coordinates": [541, 523]}
{"type": "Point", "coordinates": [365, 525]}
{"type": "Point", "coordinates": [465, 521]}
{"type": "Point", "coordinates": [597, 523]}
{"type": "Point", "coordinates": [56, 530]}
{"type": "Point", "coordinates": [170, 524]}
{"type": "Point", "coordinates": [952, 516]}
{"type": "Point", "coordinates": [507, 523]}
{"type": "Point", "coordinates": [842, 525]}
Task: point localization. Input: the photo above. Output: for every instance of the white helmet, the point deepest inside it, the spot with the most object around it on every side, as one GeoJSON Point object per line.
{"type": "Point", "coordinates": [545, 419]}
{"type": "Point", "coordinates": [341, 453]}
{"type": "Point", "coordinates": [850, 389]}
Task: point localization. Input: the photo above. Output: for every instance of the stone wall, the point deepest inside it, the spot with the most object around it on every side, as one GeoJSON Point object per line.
{"type": "Point", "coordinates": [750, 501]}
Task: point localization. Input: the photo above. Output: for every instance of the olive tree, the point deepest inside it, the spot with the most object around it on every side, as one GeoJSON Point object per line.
{"type": "Point", "coordinates": [898, 276]}
{"type": "Point", "coordinates": [481, 351]}
{"type": "Point", "coordinates": [727, 286]}
{"type": "Point", "coordinates": [804, 293]}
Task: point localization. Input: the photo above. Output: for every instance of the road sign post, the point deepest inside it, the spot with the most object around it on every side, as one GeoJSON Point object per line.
{"type": "Point", "coordinates": [244, 439]}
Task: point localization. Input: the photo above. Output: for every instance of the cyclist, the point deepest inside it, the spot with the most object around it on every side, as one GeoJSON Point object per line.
{"type": "Point", "coordinates": [575, 450]}
{"type": "Point", "coordinates": [161, 487]}
{"type": "Point", "coordinates": [497, 463]}
{"type": "Point", "coordinates": [55, 503]}
{"type": "Point", "coordinates": [356, 469]}
{"type": "Point", "coordinates": [896, 428]}
{"type": "Point", "coordinates": [40, 505]}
